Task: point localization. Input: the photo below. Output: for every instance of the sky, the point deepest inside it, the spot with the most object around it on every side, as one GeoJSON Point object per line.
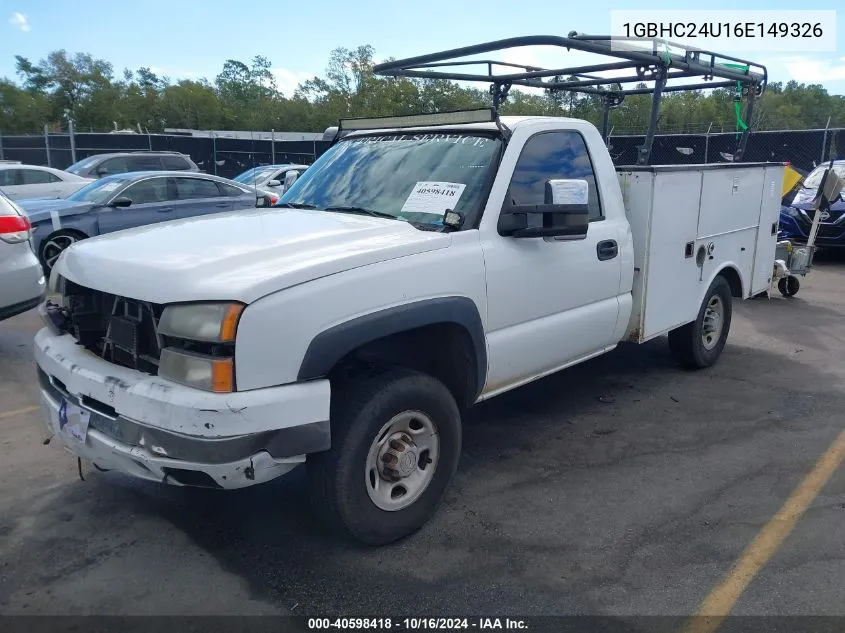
{"type": "Point", "coordinates": [192, 38]}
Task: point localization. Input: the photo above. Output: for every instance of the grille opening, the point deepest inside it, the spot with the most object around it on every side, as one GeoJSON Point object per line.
{"type": "Point", "coordinates": [191, 478]}
{"type": "Point", "coordinates": [118, 329]}
{"type": "Point", "coordinates": [59, 384]}
{"type": "Point", "coordinates": [98, 406]}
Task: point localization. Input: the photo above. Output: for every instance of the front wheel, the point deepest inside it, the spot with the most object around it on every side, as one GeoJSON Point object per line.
{"type": "Point", "coordinates": [53, 246]}
{"type": "Point", "coordinates": [396, 441]}
{"type": "Point", "coordinates": [699, 344]}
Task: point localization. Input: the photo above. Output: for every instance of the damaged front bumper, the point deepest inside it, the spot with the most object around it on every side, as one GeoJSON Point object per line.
{"type": "Point", "coordinates": [121, 419]}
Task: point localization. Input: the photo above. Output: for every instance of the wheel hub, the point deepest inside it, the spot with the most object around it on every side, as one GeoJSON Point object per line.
{"type": "Point", "coordinates": [399, 457]}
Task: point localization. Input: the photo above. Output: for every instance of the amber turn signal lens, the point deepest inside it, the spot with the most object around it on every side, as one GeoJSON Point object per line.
{"type": "Point", "coordinates": [229, 325]}
{"type": "Point", "coordinates": [222, 376]}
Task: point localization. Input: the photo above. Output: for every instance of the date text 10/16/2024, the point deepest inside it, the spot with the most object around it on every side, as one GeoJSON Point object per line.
{"type": "Point", "coordinates": [416, 624]}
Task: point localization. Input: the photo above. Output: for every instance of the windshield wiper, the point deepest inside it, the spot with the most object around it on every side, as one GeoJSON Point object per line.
{"type": "Point", "coordinates": [296, 205]}
{"type": "Point", "coordinates": [361, 211]}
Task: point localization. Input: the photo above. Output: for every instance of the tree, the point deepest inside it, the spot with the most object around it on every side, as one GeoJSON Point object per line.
{"type": "Point", "coordinates": [244, 95]}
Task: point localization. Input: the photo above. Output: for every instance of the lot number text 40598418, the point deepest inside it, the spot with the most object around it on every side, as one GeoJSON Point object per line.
{"type": "Point", "coordinates": [417, 624]}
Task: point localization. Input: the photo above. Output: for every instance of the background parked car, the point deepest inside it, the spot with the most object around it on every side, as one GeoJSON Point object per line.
{"type": "Point", "coordinates": [796, 217]}
{"type": "Point", "coordinates": [275, 179]}
{"type": "Point", "coordinates": [19, 181]}
{"type": "Point", "coordinates": [22, 282]}
{"type": "Point", "coordinates": [101, 165]}
{"type": "Point", "coordinates": [124, 201]}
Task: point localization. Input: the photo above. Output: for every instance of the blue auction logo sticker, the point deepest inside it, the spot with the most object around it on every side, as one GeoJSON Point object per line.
{"type": "Point", "coordinates": [63, 415]}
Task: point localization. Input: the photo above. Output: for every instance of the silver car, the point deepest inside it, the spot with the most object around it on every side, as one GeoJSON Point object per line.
{"type": "Point", "coordinates": [272, 179]}
{"type": "Point", "coordinates": [22, 282]}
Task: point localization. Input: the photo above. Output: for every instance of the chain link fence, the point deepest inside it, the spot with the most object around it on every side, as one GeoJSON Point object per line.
{"type": "Point", "coordinates": [228, 157]}
{"type": "Point", "coordinates": [225, 157]}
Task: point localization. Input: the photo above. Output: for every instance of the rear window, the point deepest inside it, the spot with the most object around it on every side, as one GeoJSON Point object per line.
{"type": "Point", "coordinates": [36, 177]}
{"type": "Point", "coordinates": [145, 163]}
{"type": "Point", "coordinates": [191, 188]}
{"type": "Point", "coordinates": [8, 177]}
{"type": "Point", "coordinates": [229, 190]}
{"type": "Point", "coordinates": [175, 162]}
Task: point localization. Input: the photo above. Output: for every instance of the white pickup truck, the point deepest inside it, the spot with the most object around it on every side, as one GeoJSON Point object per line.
{"type": "Point", "coordinates": [409, 273]}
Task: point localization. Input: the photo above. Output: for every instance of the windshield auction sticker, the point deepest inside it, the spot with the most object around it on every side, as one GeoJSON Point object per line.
{"type": "Point", "coordinates": [433, 197]}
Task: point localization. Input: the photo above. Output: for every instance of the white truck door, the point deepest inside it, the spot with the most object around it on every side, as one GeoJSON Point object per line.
{"type": "Point", "coordinates": [550, 302]}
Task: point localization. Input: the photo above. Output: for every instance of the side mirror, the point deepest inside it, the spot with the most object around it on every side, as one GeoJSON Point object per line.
{"type": "Point", "coordinates": [102, 172]}
{"type": "Point", "coordinates": [565, 213]}
{"type": "Point", "coordinates": [120, 201]}
{"type": "Point", "coordinates": [274, 183]}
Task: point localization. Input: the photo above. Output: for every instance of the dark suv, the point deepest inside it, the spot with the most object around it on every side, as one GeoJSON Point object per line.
{"type": "Point", "coordinates": [101, 165]}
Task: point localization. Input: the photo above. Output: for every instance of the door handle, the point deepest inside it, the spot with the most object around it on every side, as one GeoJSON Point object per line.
{"type": "Point", "coordinates": [165, 210]}
{"type": "Point", "coordinates": [607, 249]}
{"type": "Point", "coordinates": [222, 204]}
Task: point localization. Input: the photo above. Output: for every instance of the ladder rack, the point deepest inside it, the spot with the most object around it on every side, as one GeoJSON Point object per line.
{"type": "Point", "coordinates": [668, 64]}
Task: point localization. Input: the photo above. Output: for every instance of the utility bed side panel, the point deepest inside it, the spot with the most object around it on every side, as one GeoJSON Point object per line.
{"type": "Point", "coordinates": [637, 193]}
{"type": "Point", "coordinates": [670, 281]}
{"type": "Point", "coordinates": [767, 231]}
{"type": "Point", "coordinates": [730, 200]}
{"type": "Point", "coordinates": [688, 223]}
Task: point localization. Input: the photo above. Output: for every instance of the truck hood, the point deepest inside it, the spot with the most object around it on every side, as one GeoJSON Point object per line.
{"type": "Point", "coordinates": [240, 256]}
{"type": "Point", "coordinates": [40, 209]}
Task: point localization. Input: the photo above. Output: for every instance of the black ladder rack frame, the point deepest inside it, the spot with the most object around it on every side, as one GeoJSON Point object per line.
{"type": "Point", "coordinates": [660, 65]}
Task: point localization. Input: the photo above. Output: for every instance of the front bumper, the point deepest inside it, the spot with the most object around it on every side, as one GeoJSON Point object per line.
{"type": "Point", "coordinates": [828, 236]}
{"type": "Point", "coordinates": [154, 429]}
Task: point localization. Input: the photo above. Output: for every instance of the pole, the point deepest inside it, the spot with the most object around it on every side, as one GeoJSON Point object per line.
{"type": "Point", "coordinates": [707, 143]}
{"type": "Point", "coordinates": [2, 157]}
{"type": "Point", "coordinates": [47, 144]}
{"type": "Point", "coordinates": [72, 140]}
{"type": "Point", "coordinates": [272, 147]}
{"type": "Point", "coordinates": [824, 140]}
{"type": "Point", "coordinates": [605, 120]}
{"type": "Point", "coordinates": [645, 151]}
{"type": "Point", "coordinates": [214, 150]}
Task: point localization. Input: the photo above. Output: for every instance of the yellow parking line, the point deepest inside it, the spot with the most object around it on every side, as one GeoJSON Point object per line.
{"type": "Point", "coordinates": [11, 414]}
{"type": "Point", "coordinates": [722, 599]}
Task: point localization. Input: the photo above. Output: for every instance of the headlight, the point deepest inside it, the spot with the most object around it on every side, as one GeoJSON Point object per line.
{"type": "Point", "coordinates": [205, 322]}
{"type": "Point", "coordinates": [201, 371]}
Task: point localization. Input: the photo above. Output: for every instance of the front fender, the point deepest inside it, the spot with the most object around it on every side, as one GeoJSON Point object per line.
{"type": "Point", "coordinates": [332, 344]}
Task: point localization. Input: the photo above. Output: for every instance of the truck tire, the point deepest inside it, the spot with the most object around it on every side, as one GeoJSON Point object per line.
{"type": "Point", "coordinates": [789, 286]}
{"type": "Point", "coordinates": [699, 344]}
{"type": "Point", "coordinates": [396, 442]}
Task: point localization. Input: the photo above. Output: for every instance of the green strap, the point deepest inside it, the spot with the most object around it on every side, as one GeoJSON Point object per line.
{"type": "Point", "coordinates": [740, 124]}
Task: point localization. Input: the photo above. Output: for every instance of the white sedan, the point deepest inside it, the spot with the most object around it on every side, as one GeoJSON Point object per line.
{"type": "Point", "coordinates": [33, 181]}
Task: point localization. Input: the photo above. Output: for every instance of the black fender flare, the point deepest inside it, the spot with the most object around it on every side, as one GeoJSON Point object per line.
{"type": "Point", "coordinates": [331, 345]}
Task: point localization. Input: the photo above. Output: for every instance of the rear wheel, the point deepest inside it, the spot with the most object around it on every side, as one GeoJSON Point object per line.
{"type": "Point", "coordinates": [789, 286]}
{"type": "Point", "coordinates": [53, 246]}
{"type": "Point", "coordinates": [699, 344]}
{"type": "Point", "coordinates": [396, 442]}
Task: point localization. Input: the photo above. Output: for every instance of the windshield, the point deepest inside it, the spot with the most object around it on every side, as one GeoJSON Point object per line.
{"type": "Point", "coordinates": [410, 177]}
{"type": "Point", "coordinates": [257, 174]}
{"type": "Point", "coordinates": [98, 191]}
{"type": "Point", "coordinates": [82, 165]}
{"type": "Point", "coordinates": [815, 178]}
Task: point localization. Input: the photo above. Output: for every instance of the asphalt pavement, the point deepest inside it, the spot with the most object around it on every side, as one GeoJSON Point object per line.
{"type": "Point", "coordinates": [623, 486]}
